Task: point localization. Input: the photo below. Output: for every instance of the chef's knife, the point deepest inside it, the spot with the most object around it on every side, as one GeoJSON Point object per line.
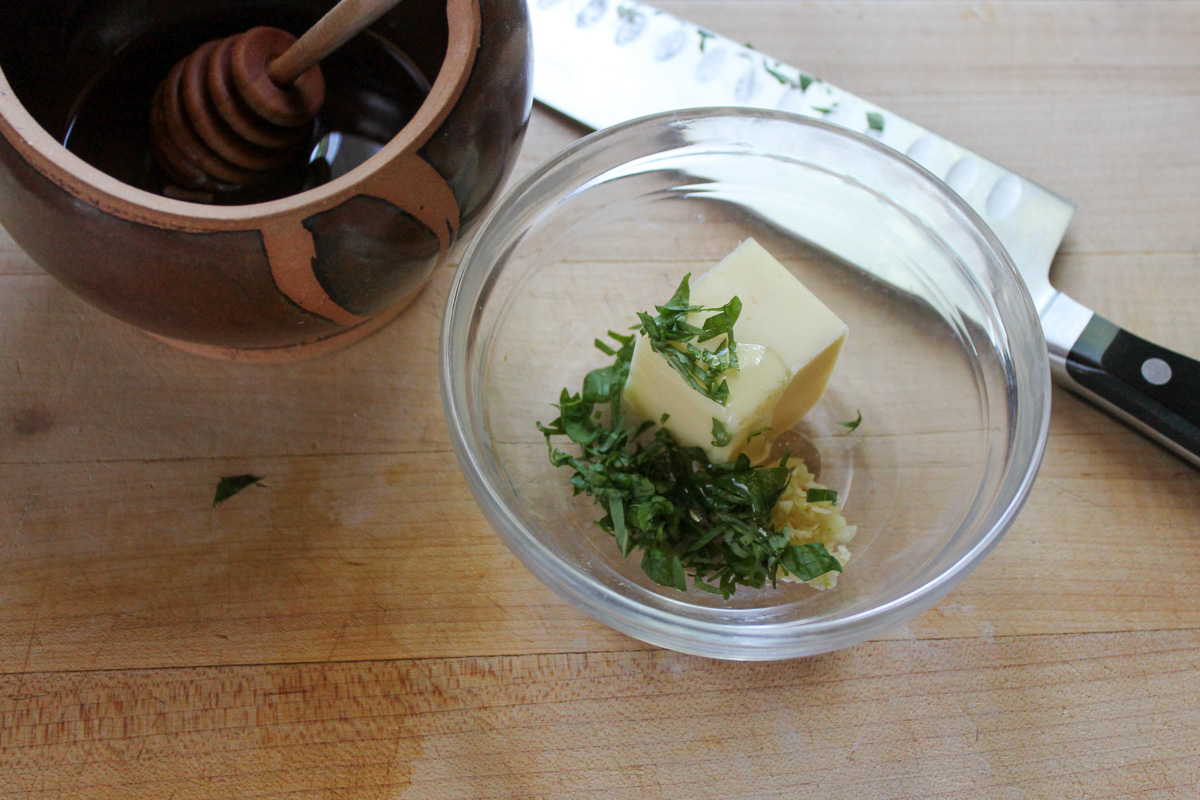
{"type": "Point", "coordinates": [601, 62]}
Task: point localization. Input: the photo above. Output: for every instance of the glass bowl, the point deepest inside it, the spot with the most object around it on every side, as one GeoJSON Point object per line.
{"type": "Point", "coordinates": [945, 360]}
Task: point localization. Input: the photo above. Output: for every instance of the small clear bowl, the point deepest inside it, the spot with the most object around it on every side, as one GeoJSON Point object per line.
{"type": "Point", "coordinates": [945, 361]}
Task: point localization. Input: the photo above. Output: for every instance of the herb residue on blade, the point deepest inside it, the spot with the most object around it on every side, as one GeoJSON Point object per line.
{"type": "Point", "coordinates": [717, 523]}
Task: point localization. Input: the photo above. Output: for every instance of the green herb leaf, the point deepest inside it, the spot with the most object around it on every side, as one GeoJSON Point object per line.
{"type": "Point", "coordinates": [758, 432]}
{"type": "Point", "coordinates": [721, 324]}
{"type": "Point", "coordinates": [616, 510]}
{"type": "Point", "coordinates": [720, 436]}
{"type": "Point", "coordinates": [680, 301]}
{"type": "Point", "coordinates": [808, 561]}
{"type": "Point", "coordinates": [852, 424]}
{"type": "Point", "coordinates": [805, 81]}
{"type": "Point", "coordinates": [774, 72]}
{"type": "Point", "coordinates": [875, 120]}
{"type": "Point", "coordinates": [575, 418]}
{"type": "Point", "coordinates": [664, 568]}
{"type": "Point", "coordinates": [674, 338]}
{"type": "Point", "coordinates": [601, 384]}
{"type": "Point", "coordinates": [821, 496]}
{"type": "Point", "coordinates": [604, 347]}
{"type": "Point", "coordinates": [229, 486]}
{"type": "Point", "coordinates": [704, 37]}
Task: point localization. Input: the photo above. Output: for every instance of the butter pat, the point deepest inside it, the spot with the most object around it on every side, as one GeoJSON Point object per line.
{"type": "Point", "coordinates": [787, 342]}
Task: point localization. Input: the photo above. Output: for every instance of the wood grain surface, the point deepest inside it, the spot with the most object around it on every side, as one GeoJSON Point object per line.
{"type": "Point", "coordinates": [352, 628]}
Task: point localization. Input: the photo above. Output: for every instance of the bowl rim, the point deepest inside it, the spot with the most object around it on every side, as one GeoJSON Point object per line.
{"type": "Point", "coordinates": [715, 639]}
{"type": "Point", "coordinates": [48, 156]}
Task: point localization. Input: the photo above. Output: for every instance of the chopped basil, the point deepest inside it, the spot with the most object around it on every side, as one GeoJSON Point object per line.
{"type": "Point", "coordinates": [758, 432]}
{"type": "Point", "coordinates": [774, 72]}
{"type": "Point", "coordinates": [852, 424]}
{"type": "Point", "coordinates": [229, 486]}
{"type": "Point", "coordinates": [720, 436]}
{"type": "Point", "coordinates": [821, 496]}
{"type": "Point", "coordinates": [809, 561]}
{"type": "Point", "coordinates": [674, 338]}
{"type": "Point", "coordinates": [875, 120]}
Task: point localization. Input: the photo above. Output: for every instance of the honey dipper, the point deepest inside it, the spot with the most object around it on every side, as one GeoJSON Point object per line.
{"type": "Point", "coordinates": [238, 110]}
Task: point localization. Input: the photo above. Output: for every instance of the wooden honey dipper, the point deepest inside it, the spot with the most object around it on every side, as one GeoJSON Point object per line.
{"type": "Point", "coordinates": [238, 110]}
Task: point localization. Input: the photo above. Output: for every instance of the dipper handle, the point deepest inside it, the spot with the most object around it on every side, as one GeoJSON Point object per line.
{"type": "Point", "coordinates": [330, 32]}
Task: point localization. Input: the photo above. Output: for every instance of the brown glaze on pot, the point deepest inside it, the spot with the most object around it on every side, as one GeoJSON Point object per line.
{"type": "Point", "coordinates": [278, 279]}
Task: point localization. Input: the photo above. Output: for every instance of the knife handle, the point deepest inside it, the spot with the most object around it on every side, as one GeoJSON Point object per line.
{"type": "Point", "coordinates": [1153, 388]}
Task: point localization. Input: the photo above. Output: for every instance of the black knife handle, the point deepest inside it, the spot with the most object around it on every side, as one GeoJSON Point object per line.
{"type": "Point", "coordinates": [1155, 388]}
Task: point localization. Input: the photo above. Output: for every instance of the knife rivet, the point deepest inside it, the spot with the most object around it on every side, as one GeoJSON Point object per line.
{"type": "Point", "coordinates": [1156, 371]}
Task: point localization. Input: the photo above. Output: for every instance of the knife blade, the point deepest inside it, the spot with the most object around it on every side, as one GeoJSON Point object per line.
{"type": "Point", "coordinates": [602, 62]}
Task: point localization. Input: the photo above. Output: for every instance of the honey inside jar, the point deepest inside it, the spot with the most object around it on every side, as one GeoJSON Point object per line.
{"type": "Point", "coordinates": [374, 89]}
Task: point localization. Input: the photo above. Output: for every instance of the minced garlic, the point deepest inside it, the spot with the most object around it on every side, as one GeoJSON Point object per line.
{"type": "Point", "coordinates": [806, 522]}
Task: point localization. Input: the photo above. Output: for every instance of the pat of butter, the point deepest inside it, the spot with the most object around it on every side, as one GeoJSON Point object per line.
{"type": "Point", "coordinates": [787, 342]}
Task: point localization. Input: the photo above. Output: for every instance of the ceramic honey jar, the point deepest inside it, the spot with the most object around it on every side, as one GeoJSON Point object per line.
{"type": "Point", "coordinates": [423, 118]}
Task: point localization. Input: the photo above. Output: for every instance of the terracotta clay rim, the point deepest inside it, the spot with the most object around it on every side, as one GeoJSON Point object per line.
{"type": "Point", "coordinates": [77, 177]}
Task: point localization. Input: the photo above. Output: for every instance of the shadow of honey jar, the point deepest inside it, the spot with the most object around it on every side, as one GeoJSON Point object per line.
{"type": "Point", "coordinates": [424, 116]}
